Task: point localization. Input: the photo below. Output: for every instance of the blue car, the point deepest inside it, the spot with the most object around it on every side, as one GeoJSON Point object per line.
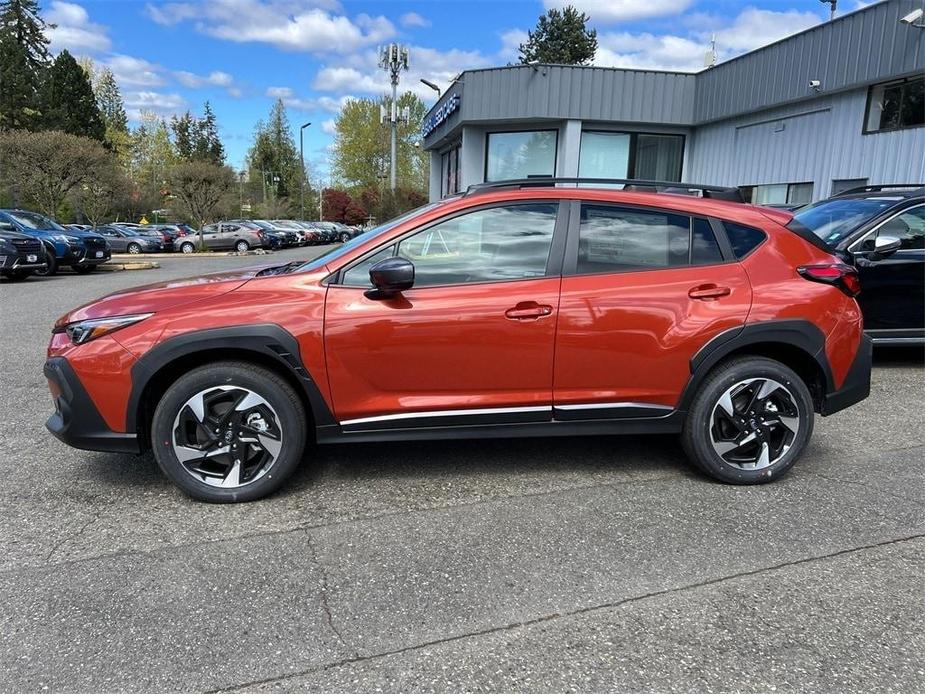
{"type": "Point", "coordinates": [82, 250]}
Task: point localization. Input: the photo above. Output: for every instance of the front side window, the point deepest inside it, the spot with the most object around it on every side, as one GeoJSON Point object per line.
{"type": "Point", "coordinates": [488, 245]}
{"type": "Point", "coordinates": [896, 105]}
{"type": "Point", "coordinates": [521, 155]}
{"type": "Point", "coordinates": [618, 239]}
{"type": "Point", "coordinates": [908, 227]}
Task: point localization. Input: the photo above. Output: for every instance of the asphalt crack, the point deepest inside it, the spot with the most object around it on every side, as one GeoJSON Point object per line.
{"type": "Point", "coordinates": [72, 536]}
{"type": "Point", "coordinates": [571, 613]}
{"type": "Point", "coordinates": [325, 606]}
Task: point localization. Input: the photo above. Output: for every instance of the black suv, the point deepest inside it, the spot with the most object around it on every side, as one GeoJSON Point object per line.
{"type": "Point", "coordinates": [881, 231]}
{"type": "Point", "coordinates": [20, 255]}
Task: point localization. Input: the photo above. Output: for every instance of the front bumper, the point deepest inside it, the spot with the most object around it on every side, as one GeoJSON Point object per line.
{"type": "Point", "coordinates": [89, 257]}
{"type": "Point", "coordinates": [76, 420]}
{"type": "Point", "coordinates": [20, 262]}
{"type": "Point", "coordinates": [857, 383]}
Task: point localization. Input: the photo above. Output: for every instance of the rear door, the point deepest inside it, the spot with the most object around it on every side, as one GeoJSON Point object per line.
{"type": "Point", "coordinates": [892, 294]}
{"type": "Point", "coordinates": [642, 290]}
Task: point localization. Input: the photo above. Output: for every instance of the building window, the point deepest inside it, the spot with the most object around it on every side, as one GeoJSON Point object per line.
{"type": "Point", "coordinates": [779, 194]}
{"type": "Point", "coordinates": [630, 155]}
{"type": "Point", "coordinates": [840, 185]}
{"type": "Point", "coordinates": [895, 105]}
{"type": "Point", "coordinates": [521, 155]}
{"type": "Point", "coordinates": [449, 172]}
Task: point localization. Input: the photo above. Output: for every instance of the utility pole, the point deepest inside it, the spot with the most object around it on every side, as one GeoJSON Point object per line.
{"type": "Point", "coordinates": [302, 177]}
{"type": "Point", "coordinates": [393, 59]}
{"type": "Point", "coordinates": [833, 4]}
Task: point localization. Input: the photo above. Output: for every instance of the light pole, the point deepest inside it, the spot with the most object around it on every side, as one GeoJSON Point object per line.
{"type": "Point", "coordinates": [302, 177]}
{"type": "Point", "coordinates": [393, 59]}
{"type": "Point", "coordinates": [433, 86]}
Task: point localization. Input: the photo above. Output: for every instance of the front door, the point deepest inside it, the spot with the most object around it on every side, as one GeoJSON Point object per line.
{"type": "Point", "coordinates": [643, 290]}
{"type": "Point", "coordinates": [470, 343]}
{"type": "Point", "coordinates": [892, 296]}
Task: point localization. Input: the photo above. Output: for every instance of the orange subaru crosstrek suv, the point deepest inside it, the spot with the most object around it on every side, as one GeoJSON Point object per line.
{"type": "Point", "coordinates": [525, 308]}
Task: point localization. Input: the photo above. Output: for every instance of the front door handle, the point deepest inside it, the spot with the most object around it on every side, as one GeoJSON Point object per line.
{"type": "Point", "coordinates": [528, 310]}
{"type": "Point", "coordinates": [708, 291]}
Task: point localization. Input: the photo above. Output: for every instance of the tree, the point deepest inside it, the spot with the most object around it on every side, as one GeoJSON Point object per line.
{"type": "Point", "coordinates": [184, 131]}
{"type": "Point", "coordinates": [67, 100]}
{"type": "Point", "coordinates": [200, 187]}
{"type": "Point", "coordinates": [560, 37]}
{"type": "Point", "coordinates": [153, 152]}
{"type": "Point", "coordinates": [335, 204]}
{"type": "Point", "coordinates": [98, 196]}
{"type": "Point", "coordinates": [362, 144]}
{"type": "Point", "coordinates": [112, 110]}
{"type": "Point", "coordinates": [23, 58]}
{"type": "Point", "coordinates": [273, 158]}
{"type": "Point", "coordinates": [47, 166]}
{"type": "Point", "coordinates": [207, 144]}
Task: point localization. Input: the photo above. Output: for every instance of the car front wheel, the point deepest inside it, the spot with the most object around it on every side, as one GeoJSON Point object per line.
{"type": "Point", "coordinates": [51, 266]}
{"type": "Point", "coordinates": [228, 432]}
{"type": "Point", "coordinates": [134, 248]}
{"type": "Point", "coordinates": [187, 247]}
{"type": "Point", "coordinates": [83, 269]}
{"type": "Point", "coordinates": [750, 421]}
{"type": "Point", "coordinates": [242, 246]}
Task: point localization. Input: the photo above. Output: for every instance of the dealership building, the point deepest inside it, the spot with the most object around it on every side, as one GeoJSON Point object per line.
{"type": "Point", "coordinates": [838, 105]}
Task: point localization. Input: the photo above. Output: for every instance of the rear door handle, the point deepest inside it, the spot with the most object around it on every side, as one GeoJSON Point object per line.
{"type": "Point", "coordinates": [528, 310]}
{"type": "Point", "coordinates": [708, 291]}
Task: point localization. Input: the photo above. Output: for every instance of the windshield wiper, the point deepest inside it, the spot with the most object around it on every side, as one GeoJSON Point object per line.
{"type": "Point", "coordinates": [280, 269]}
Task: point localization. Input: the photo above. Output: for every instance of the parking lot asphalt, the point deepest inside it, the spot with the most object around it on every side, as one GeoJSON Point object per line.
{"type": "Point", "coordinates": [583, 564]}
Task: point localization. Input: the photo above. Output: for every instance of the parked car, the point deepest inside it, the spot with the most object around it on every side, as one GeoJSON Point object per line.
{"type": "Point", "coordinates": [83, 251]}
{"type": "Point", "coordinates": [311, 235]}
{"type": "Point", "coordinates": [167, 234]}
{"type": "Point", "coordinates": [286, 235]}
{"type": "Point", "coordinates": [238, 236]}
{"type": "Point", "coordinates": [20, 255]}
{"type": "Point", "coordinates": [123, 240]}
{"type": "Point", "coordinates": [508, 311]}
{"type": "Point", "coordinates": [880, 230]}
{"type": "Point", "coordinates": [326, 230]}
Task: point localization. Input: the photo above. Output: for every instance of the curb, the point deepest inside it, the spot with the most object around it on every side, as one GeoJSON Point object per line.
{"type": "Point", "coordinates": [174, 254]}
{"type": "Point", "coordinates": [114, 267]}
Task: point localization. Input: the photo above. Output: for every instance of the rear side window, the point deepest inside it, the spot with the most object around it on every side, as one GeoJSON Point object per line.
{"type": "Point", "coordinates": [619, 239]}
{"type": "Point", "coordinates": [704, 248]}
{"type": "Point", "coordinates": [743, 239]}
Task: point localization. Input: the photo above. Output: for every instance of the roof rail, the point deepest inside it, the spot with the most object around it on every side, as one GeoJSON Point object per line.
{"type": "Point", "coordinates": [879, 188]}
{"type": "Point", "coordinates": [716, 192]}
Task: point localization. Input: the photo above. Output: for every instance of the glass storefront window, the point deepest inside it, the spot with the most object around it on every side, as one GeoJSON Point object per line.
{"type": "Point", "coordinates": [658, 157]}
{"type": "Point", "coordinates": [521, 155]}
{"type": "Point", "coordinates": [604, 155]}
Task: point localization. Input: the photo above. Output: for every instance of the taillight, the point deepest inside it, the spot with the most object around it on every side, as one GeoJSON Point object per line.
{"type": "Point", "coordinates": [839, 275]}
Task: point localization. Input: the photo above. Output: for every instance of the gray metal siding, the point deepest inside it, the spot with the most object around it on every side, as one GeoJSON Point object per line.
{"type": "Point", "coordinates": [821, 141]}
{"type": "Point", "coordinates": [865, 46]}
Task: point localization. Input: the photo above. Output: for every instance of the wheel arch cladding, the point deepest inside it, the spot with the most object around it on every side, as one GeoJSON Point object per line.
{"type": "Point", "coordinates": [267, 345]}
{"type": "Point", "coordinates": [798, 344]}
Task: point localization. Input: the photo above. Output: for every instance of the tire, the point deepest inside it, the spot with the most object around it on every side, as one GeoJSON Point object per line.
{"type": "Point", "coordinates": [83, 269]}
{"type": "Point", "coordinates": [51, 266]}
{"type": "Point", "coordinates": [345, 237]}
{"type": "Point", "coordinates": [133, 248]}
{"type": "Point", "coordinates": [754, 443]}
{"type": "Point", "coordinates": [187, 247]}
{"type": "Point", "coordinates": [242, 246]}
{"type": "Point", "coordinates": [278, 410]}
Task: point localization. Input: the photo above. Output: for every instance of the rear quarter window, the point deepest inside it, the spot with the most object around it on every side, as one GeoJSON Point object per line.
{"type": "Point", "coordinates": [743, 239]}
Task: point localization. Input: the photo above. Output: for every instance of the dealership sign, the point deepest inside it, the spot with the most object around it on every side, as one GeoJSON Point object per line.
{"type": "Point", "coordinates": [440, 115]}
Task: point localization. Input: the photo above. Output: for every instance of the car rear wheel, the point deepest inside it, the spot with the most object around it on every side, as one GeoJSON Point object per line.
{"type": "Point", "coordinates": [51, 266]}
{"type": "Point", "coordinates": [134, 248]}
{"type": "Point", "coordinates": [83, 269]}
{"type": "Point", "coordinates": [187, 247]}
{"type": "Point", "coordinates": [242, 246]}
{"type": "Point", "coordinates": [749, 422]}
{"type": "Point", "coordinates": [345, 237]}
{"type": "Point", "coordinates": [229, 432]}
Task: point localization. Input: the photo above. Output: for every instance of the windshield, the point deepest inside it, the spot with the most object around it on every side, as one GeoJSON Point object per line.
{"type": "Point", "coordinates": [35, 221]}
{"type": "Point", "coordinates": [835, 219]}
{"type": "Point", "coordinates": [338, 251]}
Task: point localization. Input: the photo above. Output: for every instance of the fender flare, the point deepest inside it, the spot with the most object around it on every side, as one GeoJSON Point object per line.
{"type": "Point", "coordinates": [266, 339]}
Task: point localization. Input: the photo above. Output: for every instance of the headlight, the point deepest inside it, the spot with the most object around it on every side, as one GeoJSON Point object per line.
{"type": "Point", "coordinates": [86, 330]}
{"type": "Point", "coordinates": [61, 238]}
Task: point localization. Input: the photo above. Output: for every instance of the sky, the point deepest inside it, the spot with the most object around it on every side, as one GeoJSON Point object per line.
{"type": "Point", "coordinates": [241, 55]}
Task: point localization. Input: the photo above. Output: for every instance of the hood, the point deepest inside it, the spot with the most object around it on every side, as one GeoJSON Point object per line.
{"type": "Point", "coordinates": [161, 296]}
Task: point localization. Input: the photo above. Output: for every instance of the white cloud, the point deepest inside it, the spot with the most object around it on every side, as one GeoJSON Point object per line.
{"type": "Point", "coordinates": [329, 126]}
{"type": "Point", "coordinates": [135, 72]}
{"type": "Point", "coordinates": [751, 29]}
{"type": "Point", "coordinates": [291, 25]}
{"type": "Point", "coordinates": [609, 11]}
{"type": "Point", "coordinates": [214, 79]}
{"type": "Point", "coordinates": [510, 44]}
{"type": "Point", "coordinates": [323, 103]}
{"type": "Point", "coordinates": [155, 102]}
{"type": "Point", "coordinates": [73, 29]}
{"type": "Point", "coordinates": [413, 19]}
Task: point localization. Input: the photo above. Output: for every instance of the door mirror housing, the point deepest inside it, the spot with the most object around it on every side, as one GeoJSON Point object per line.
{"type": "Point", "coordinates": [390, 277]}
{"type": "Point", "coordinates": [885, 246]}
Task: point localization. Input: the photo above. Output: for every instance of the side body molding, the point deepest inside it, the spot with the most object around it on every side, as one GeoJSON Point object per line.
{"type": "Point", "coordinates": [267, 339]}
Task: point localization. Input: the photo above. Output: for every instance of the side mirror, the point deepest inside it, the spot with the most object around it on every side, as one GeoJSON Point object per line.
{"type": "Point", "coordinates": [885, 246]}
{"type": "Point", "coordinates": [389, 277]}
